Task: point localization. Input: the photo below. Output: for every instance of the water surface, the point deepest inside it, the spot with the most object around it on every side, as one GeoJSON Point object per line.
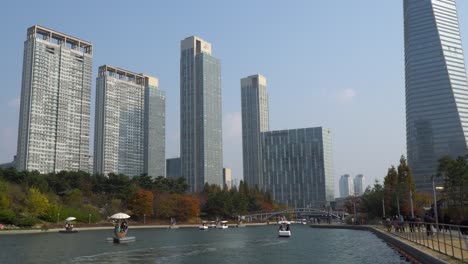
{"type": "Point", "coordinates": [233, 245]}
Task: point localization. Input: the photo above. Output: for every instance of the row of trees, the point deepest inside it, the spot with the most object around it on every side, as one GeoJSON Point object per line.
{"type": "Point", "coordinates": [27, 198]}
{"type": "Point", "coordinates": [398, 190]}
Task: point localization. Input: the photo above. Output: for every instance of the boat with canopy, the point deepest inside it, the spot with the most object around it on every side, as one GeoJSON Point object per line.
{"type": "Point", "coordinates": [120, 229]}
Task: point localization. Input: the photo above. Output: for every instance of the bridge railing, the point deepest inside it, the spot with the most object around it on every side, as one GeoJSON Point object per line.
{"type": "Point", "coordinates": [450, 240]}
{"type": "Point", "coordinates": [263, 216]}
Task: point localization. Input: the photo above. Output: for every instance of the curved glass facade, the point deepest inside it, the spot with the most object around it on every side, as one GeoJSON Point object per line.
{"type": "Point", "coordinates": [436, 87]}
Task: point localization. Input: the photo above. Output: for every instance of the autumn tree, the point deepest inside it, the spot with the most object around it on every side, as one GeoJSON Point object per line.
{"type": "Point", "coordinates": [141, 203]}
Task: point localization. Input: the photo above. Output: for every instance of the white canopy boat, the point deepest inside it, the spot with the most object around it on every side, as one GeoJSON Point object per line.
{"type": "Point", "coordinates": [69, 226]}
{"type": "Point", "coordinates": [203, 226]}
{"type": "Point", "coordinates": [212, 224]}
{"type": "Point", "coordinates": [120, 229]}
{"type": "Point", "coordinates": [222, 225]}
{"type": "Point", "coordinates": [284, 229]}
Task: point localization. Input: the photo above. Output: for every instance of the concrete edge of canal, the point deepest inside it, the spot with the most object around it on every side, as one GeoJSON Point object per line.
{"type": "Point", "coordinates": [413, 254]}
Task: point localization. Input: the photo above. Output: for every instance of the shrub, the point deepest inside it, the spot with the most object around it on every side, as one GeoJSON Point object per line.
{"type": "Point", "coordinates": [26, 221]}
{"type": "Point", "coordinates": [7, 216]}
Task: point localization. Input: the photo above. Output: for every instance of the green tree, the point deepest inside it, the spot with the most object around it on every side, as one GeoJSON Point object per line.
{"type": "Point", "coordinates": [455, 174]}
{"type": "Point", "coordinates": [36, 202]}
{"type": "Point", "coordinates": [371, 200]}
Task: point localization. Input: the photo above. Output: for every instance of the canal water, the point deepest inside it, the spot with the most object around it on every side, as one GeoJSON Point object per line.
{"type": "Point", "coordinates": [233, 245]}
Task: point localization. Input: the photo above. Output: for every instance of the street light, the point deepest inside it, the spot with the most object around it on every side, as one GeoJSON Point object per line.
{"type": "Point", "coordinates": [436, 213]}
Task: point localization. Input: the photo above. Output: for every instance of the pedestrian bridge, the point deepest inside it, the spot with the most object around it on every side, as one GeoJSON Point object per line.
{"type": "Point", "coordinates": [297, 212]}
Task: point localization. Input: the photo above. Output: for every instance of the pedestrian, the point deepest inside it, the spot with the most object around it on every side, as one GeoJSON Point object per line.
{"type": "Point", "coordinates": [428, 221]}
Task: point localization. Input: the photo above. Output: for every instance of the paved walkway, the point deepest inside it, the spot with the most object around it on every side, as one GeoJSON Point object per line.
{"type": "Point", "coordinates": [446, 244]}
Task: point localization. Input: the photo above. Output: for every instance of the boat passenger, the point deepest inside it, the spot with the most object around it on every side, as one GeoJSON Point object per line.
{"type": "Point", "coordinates": [124, 227]}
{"type": "Point", "coordinates": [287, 227]}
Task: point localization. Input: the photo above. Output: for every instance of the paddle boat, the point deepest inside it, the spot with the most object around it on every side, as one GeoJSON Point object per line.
{"type": "Point", "coordinates": [222, 225]}
{"type": "Point", "coordinates": [69, 226]}
{"type": "Point", "coordinates": [120, 229]}
{"type": "Point", "coordinates": [284, 229]}
{"type": "Point", "coordinates": [212, 224]}
{"type": "Point", "coordinates": [203, 226]}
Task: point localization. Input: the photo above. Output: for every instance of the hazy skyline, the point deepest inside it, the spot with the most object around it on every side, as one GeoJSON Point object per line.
{"type": "Point", "coordinates": [337, 64]}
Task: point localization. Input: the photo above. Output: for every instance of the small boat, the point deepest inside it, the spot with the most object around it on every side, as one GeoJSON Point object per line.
{"type": "Point", "coordinates": [222, 225]}
{"type": "Point", "coordinates": [284, 230]}
{"type": "Point", "coordinates": [203, 226]}
{"type": "Point", "coordinates": [120, 229]}
{"type": "Point", "coordinates": [212, 224]}
{"type": "Point", "coordinates": [69, 226]}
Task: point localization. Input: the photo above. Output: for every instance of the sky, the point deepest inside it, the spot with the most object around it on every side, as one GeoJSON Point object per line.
{"type": "Point", "coordinates": [336, 63]}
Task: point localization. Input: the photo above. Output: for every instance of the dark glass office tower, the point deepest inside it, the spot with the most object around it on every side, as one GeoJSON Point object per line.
{"type": "Point", "coordinates": [436, 87]}
{"type": "Point", "coordinates": [201, 149]}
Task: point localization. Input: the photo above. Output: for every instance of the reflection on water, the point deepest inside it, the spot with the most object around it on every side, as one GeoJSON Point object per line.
{"type": "Point", "coordinates": [233, 245]}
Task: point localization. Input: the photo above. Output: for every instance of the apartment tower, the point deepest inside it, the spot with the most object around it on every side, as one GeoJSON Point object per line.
{"type": "Point", "coordinates": [129, 135]}
{"type": "Point", "coordinates": [54, 122]}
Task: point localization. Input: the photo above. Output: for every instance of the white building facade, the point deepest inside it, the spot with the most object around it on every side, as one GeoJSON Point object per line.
{"type": "Point", "coordinates": [55, 110]}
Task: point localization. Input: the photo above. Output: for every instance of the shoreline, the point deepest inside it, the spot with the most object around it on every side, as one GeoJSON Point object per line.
{"type": "Point", "coordinates": [110, 227]}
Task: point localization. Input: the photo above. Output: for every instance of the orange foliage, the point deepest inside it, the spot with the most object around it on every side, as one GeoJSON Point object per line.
{"type": "Point", "coordinates": [142, 203]}
{"type": "Point", "coordinates": [182, 207]}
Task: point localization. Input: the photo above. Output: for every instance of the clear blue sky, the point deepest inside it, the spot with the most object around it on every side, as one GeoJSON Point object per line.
{"type": "Point", "coordinates": [335, 63]}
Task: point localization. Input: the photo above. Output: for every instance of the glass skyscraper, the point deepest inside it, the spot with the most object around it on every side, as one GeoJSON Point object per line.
{"type": "Point", "coordinates": [129, 124]}
{"type": "Point", "coordinates": [255, 120]}
{"type": "Point", "coordinates": [54, 122]}
{"type": "Point", "coordinates": [436, 87]}
{"type": "Point", "coordinates": [297, 165]}
{"type": "Point", "coordinates": [201, 150]}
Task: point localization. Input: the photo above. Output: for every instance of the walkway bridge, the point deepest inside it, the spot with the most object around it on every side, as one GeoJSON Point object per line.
{"type": "Point", "coordinates": [296, 212]}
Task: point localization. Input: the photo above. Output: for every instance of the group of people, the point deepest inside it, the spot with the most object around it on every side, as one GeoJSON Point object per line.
{"type": "Point", "coordinates": [120, 230]}
{"type": "Point", "coordinates": [282, 228]}
{"type": "Point", "coordinates": [68, 226]}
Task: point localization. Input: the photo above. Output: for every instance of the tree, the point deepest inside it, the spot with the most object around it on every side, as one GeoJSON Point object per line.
{"type": "Point", "coordinates": [4, 200]}
{"type": "Point", "coordinates": [141, 203]}
{"type": "Point", "coordinates": [455, 173]}
{"type": "Point", "coordinates": [36, 203]}
{"type": "Point", "coordinates": [187, 207]}
{"type": "Point", "coordinates": [73, 198]}
{"type": "Point", "coordinates": [405, 186]}
{"type": "Point", "coordinates": [372, 200]}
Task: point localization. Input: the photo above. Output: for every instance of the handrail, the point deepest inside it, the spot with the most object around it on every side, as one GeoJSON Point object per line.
{"type": "Point", "coordinates": [447, 239]}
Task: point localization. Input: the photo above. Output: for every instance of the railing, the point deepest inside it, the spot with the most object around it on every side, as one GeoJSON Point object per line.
{"type": "Point", "coordinates": [446, 239]}
{"type": "Point", "coordinates": [263, 216]}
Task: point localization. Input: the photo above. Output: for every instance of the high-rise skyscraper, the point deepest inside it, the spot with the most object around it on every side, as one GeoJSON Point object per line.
{"type": "Point", "coordinates": [298, 167]}
{"type": "Point", "coordinates": [201, 149]}
{"type": "Point", "coordinates": [436, 87]}
{"type": "Point", "coordinates": [227, 177]}
{"type": "Point", "coordinates": [54, 123]}
{"type": "Point", "coordinates": [173, 168]}
{"type": "Point", "coordinates": [130, 124]}
{"type": "Point", "coordinates": [255, 120]}
{"type": "Point", "coordinates": [346, 186]}
{"type": "Point", "coordinates": [358, 182]}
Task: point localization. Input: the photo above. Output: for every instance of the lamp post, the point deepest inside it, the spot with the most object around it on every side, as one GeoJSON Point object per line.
{"type": "Point", "coordinates": [89, 219]}
{"type": "Point", "coordinates": [411, 202]}
{"type": "Point", "coordinates": [383, 206]}
{"type": "Point", "coordinates": [354, 208]}
{"type": "Point", "coordinates": [435, 203]}
{"type": "Point", "coordinates": [58, 217]}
